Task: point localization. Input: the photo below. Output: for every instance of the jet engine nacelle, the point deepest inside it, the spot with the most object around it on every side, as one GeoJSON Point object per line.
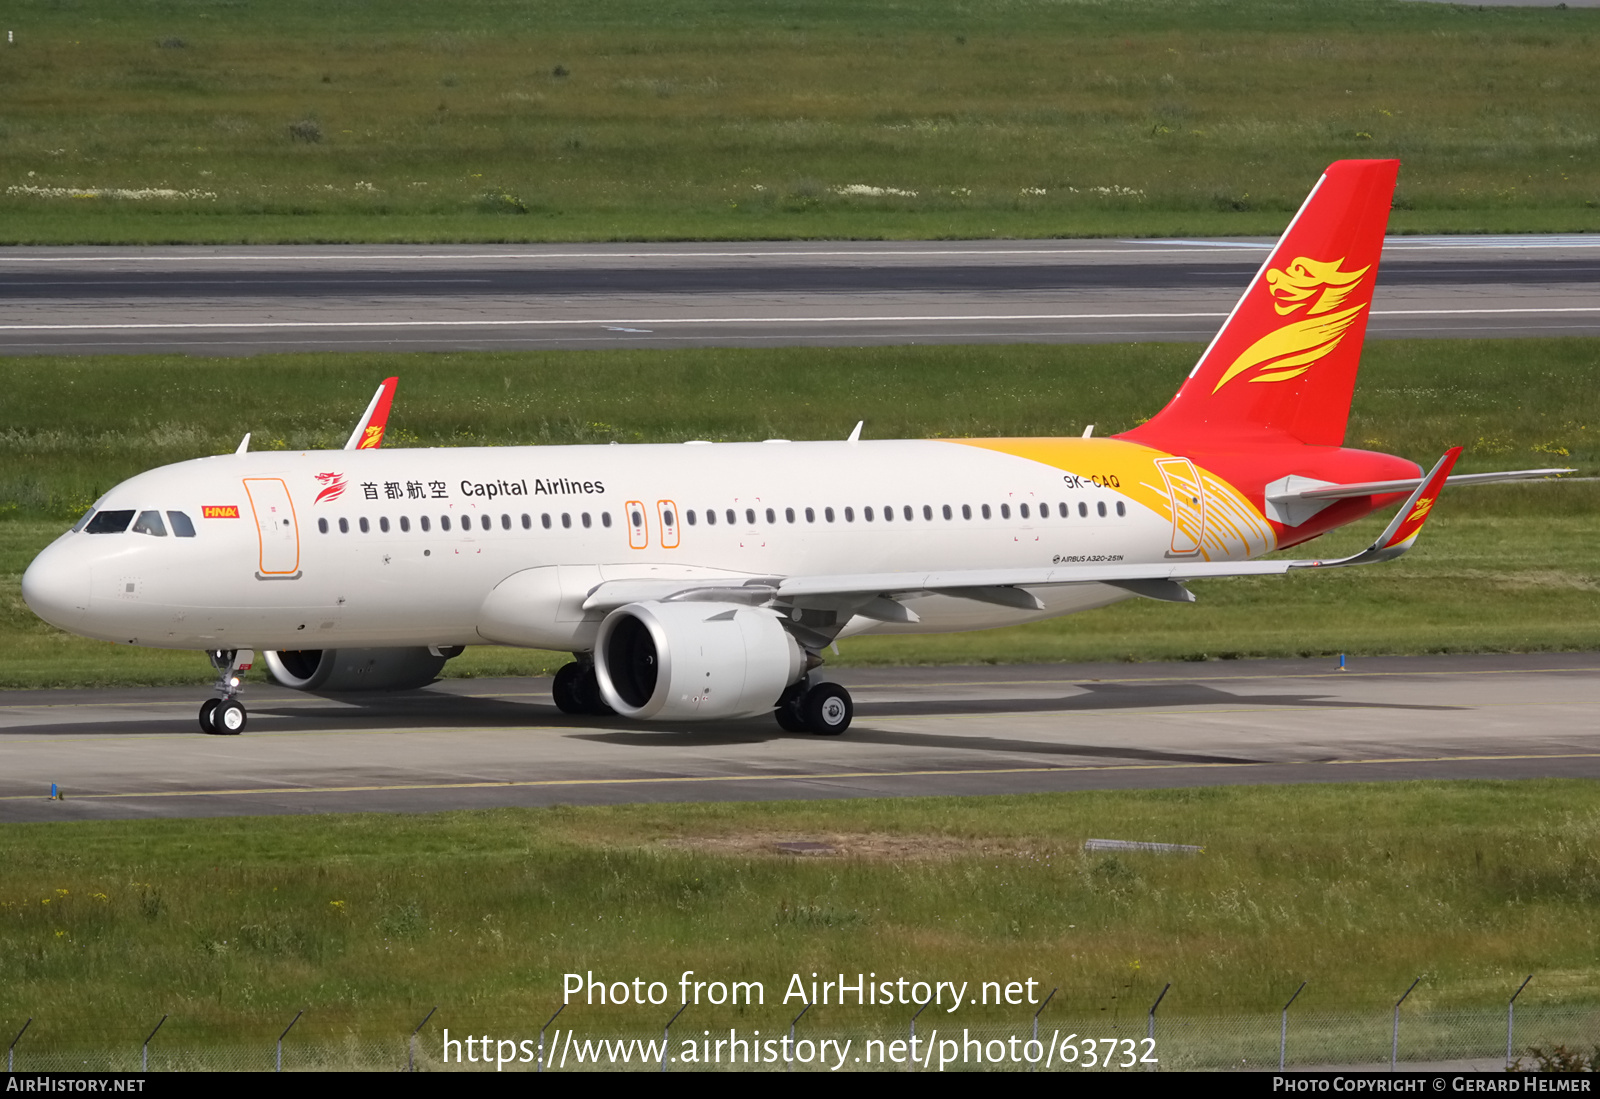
{"type": "Point", "coordinates": [357, 669]}
{"type": "Point", "coordinates": [672, 661]}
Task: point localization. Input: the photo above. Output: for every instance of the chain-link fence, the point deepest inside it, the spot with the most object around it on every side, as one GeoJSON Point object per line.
{"type": "Point", "coordinates": [1304, 1039]}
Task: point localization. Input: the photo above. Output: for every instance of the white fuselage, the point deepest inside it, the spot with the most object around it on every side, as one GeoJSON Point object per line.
{"type": "Point", "coordinates": [407, 551]}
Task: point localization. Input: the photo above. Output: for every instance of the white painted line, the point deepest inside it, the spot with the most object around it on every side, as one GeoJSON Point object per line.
{"type": "Point", "coordinates": [292, 253]}
{"type": "Point", "coordinates": [608, 323]}
{"type": "Point", "coordinates": [341, 257]}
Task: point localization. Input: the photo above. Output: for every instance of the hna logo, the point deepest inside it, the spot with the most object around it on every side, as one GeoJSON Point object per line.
{"type": "Point", "coordinates": [1318, 288]}
{"type": "Point", "coordinates": [333, 487]}
{"type": "Point", "coordinates": [371, 438]}
{"type": "Point", "coordinates": [219, 511]}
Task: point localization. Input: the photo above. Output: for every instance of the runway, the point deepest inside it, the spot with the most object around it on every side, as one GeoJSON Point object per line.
{"type": "Point", "coordinates": [249, 300]}
{"type": "Point", "coordinates": [137, 753]}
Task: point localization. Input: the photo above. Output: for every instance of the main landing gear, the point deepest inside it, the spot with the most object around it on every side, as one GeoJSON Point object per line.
{"type": "Point", "coordinates": [576, 690]}
{"type": "Point", "coordinates": [225, 716]}
{"type": "Point", "coordinates": [822, 708]}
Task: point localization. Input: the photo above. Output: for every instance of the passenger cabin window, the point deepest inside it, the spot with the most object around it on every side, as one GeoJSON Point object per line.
{"type": "Point", "coordinates": [366, 527]}
{"type": "Point", "coordinates": [1122, 509]}
{"type": "Point", "coordinates": [605, 519]}
{"type": "Point", "coordinates": [688, 517]}
{"type": "Point", "coordinates": [1062, 509]}
{"type": "Point", "coordinates": [110, 522]}
{"type": "Point", "coordinates": [811, 516]}
{"type": "Point", "coordinates": [566, 520]}
{"type": "Point", "coordinates": [711, 517]}
{"type": "Point", "coordinates": [322, 525]}
{"type": "Point", "coordinates": [383, 524]}
{"type": "Point", "coordinates": [527, 521]}
{"type": "Point", "coordinates": [731, 517]}
{"type": "Point", "coordinates": [866, 513]}
{"type": "Point", "coordinates": [344, 526]}
{"type": "Point", "coordinates": [425, 523]}
{"type": "Point", "coordinates": [182, 526]}
{"type": "Point", "coordinates": [1022, 509]}
{"type": "Point", "coordinates": [1101, 508]}
{"type": "Point", "coordinates": [544, 520]}
{"type": "Point", "coordinates": [444, 522]}
{"type": "Point", "coordinates": [750, 516]}
{"type": "Point", "coordinates": [849, 515]}
{"type": "Point", "coordinates": [772, 516]}
{"type": "Point", "coordinates": [827, 513]}
{"type": "Point", "coordinates": [788, 513]}
{"type": "Point", "coordinates": [986, 511]}
{"type": "Point", "coordinates": [1005, 511]}
{"type": "Point", "coordinates": [405, 524]}
{"type": "Point", "coordinates": [947, 512]}
{"type": "Point", "coordinates": [149, 522]}
{"type": "Point", "coordinates": [966, 511]}
{"type": "Point", "coordinates": [1083, 510]}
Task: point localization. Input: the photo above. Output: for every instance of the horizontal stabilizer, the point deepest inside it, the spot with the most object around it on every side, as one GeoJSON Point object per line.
{"type": "Point", "coordinates": [1317, 490]}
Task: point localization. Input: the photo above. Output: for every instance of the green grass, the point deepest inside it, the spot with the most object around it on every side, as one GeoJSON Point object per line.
{"type": "Point", "coordinates": [232, 925]}
{"type": "Point", "coordinates": [1500, 568]}
{"type": "Point", "coordinates": [648, 119]}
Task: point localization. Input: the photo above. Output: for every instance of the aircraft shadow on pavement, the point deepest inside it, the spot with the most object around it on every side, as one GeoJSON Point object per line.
{"type": "Point", "coordinates": [424, 709]}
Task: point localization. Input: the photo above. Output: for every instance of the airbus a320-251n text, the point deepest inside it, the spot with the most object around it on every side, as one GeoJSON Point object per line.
{"type": "Point", "coordinates": [698, 580]}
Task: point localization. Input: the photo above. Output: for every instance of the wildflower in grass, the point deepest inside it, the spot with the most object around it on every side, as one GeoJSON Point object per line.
{"type": "Point", "coordinates": [865, 190]}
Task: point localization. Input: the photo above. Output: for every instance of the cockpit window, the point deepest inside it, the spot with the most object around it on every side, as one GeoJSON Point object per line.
{"type": "Point", "coordinates": [181, 526]}
{"type": "Point", "coordinates": [149, 522]}
{"type": "Point", "coordinates": [81, 523]}
{"type": "Point", "coordinates": [109, 522]}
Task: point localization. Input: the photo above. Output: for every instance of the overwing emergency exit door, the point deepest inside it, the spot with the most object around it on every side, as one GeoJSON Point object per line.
{"type": "Point", "coordinates": [276, 527]}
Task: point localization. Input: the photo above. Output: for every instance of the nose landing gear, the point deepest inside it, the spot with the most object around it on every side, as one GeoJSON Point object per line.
{"type": "Point", "coordinates": [225, 716]}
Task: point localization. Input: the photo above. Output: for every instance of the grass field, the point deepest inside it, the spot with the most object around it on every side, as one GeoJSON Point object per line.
{"type": "Point", "coordinates": [1501, 568]}
{"type": "Point", "coordinates": [232, 925]}
{"type": "Point", "coordinates": [226, 120]}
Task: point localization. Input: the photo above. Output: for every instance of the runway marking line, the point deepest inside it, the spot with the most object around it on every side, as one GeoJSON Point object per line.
{"type": "Point", "coordinates": [803, 777]}
{"type": "Point", "coordinates": [1128, 248]}
{"type": "Point", "coordinates": [534, 322]}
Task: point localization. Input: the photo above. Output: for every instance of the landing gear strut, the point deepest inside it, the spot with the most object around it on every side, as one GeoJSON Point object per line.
{"type": "Point", "coordinates": [576, 690]}
{"type": "Point", "coordinates": [225, 716]}
{"type": "Point", "coordinates": [822, 708]}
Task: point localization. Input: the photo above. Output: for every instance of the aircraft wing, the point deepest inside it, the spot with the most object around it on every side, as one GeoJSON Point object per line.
{"type": "Point", "coordinates": [873, 595]}
{"type": "Point", "coordinates": [368, 434]}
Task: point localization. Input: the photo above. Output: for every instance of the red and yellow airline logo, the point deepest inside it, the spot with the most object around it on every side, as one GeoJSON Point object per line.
{"type": "Point", "coordinates": [1420, 511]}
{"type": "Point", "coordinates": [333, 486]}
{"type": "Point", "coordinates": [219, 511]}
{"type": "Point", "coordinates": [371, 438]}
{"type": "Point", "coordinates": [1321, 290]}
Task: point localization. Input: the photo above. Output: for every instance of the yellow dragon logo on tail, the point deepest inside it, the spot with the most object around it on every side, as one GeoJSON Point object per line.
{"type": "Point", "coordinates": [1320, 289]}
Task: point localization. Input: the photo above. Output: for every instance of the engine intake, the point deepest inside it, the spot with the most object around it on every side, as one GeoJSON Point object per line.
{"type": "Point", "coordinates": [357, 669]}
{"type": "Point", "coordinates": [672, 661]}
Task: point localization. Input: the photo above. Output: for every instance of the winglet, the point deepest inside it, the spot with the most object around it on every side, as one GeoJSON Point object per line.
{"type": "Point", "coordinates": [1407, 523]}
{"type": "Point", "coordinates": [368, 434]}
{"type": "Point", "coordinates": [855, 434]}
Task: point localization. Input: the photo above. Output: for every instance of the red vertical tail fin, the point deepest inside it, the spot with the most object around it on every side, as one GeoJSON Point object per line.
{"type": "Point", "coordinates": [368, 434]}
{"type": "Point", "coordinates": [1284, 364]}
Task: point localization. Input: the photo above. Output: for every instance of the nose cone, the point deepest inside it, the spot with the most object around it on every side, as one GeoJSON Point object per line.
{"type": "Point", "coordinates": [56, 588]}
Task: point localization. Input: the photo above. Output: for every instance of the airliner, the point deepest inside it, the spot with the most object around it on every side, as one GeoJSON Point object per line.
{"type": "Point", "coordinates": [707, 580]}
